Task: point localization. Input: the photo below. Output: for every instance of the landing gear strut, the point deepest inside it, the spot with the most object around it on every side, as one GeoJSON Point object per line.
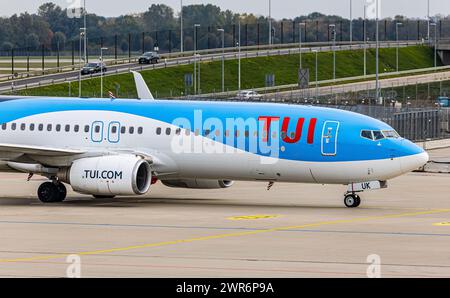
{"type": "Point", "coordinates": [352, 200]}
{"type": "Point", "coordinates": [52, 192]}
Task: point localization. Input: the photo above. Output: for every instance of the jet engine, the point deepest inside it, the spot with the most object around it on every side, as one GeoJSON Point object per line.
{"type": "Point", "coordinates": [113, 175]}
{"type": "Point", "coordinates": [198, 183]}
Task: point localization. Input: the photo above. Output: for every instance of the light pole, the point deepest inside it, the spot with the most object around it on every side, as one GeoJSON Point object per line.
{"type": "Point", "coordinates": [351, 21]}
{"type": "Point", "coordinates": [239, 57]}
{"type": "Point", "coordinates": [270, 23]}
{"type": "Point", "coordinates": [365, 38]}
{"type": "Point", "coordinates": [377, 84]}
{"type": "Point", "coordinates": [317, 73]}
{"type": "Point", "coordinates": [300, 42]}
{"type": "Point", "coordinates": [181, 29]}
{"type": "Point", "coordinates": [85, 33]}
{"type": "Point", "coordinates": [199, 91]}
{"type": "Point", "coordinates": [101, 70]}
{"type": "Point", "coordinates": [398, 44]}
{"type": "Point", "coordinates": [435, 43]}
{"type": "Point", "coordinates": [82, 32]}
{"type": "Point", "coordinates": [428, 20]}
{"type": "Point", "coordinates": [223, 58]}
{"type": "Point", "coordinates": [195, 57]}
{"type": "Point", "coordinates": [333, 27]}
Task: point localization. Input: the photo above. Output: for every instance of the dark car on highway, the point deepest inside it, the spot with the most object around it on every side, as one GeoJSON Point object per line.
{"type": "Point", "coordinates": [149, 58]}
{"type": "Point", "coordinates": [91, 68]}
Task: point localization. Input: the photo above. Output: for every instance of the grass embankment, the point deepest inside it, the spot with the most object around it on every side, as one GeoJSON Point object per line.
{"type": "Point", "coordinates": [170, 81]}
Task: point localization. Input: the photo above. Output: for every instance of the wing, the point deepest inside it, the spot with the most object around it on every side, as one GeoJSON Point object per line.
{"type": "Point", "coordinates": [54, 158]}
{"type": "Point", "coordinates": [38, 150]}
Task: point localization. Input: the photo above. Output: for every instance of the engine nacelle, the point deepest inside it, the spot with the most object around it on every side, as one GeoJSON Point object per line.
{"type": "Point", "coordinates": [198, 183]}
{"type": "Point", "coordinates": [113, 175]}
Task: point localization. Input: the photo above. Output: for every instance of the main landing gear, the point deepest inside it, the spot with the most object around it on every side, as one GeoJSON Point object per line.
{"type": "Point", "coordinates": [52, 192]}
{"type": "Point", "coordinates": [352, 200]}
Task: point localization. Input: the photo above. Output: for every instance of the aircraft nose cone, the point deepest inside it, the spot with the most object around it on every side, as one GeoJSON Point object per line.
{"type": "Point", "coordinates": [414, 162]}
{"type": "Point", "coordinates": [412, 156]}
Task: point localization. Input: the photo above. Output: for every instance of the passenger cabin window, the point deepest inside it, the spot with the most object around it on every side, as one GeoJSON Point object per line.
{"type": "Point", "coordinates": [41, 127]}
{"type": "Point", "coordinates": [4, 126]}
{"type": "Point", "coordinates": [131, 130]}
{"type": "Point", "coordinates": [67, 128]}
{"type": "Point", "coordinates": [168, 131]}
{"type": "Point", "coordinates": [32, 127]}
{"type": "Point", "coordinates": [58, 127]}
{"type": "Point", "coordinates": [23, 126]}
{"type": "Point", "coordinates": [76, 128]}
{"type": "Point", "coordinates": [86, 128]}
{"type": "Point", "coordinates": [13, 126]}
{"type": "Point", "coordinates": [140, 130]}
{"type": "Point", "coordinates": [49, 127]}
{"type": "Point", "coordinates": [123, 130]}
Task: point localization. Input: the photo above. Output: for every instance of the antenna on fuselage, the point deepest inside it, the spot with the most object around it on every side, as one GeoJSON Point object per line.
{"type": "Point", "coordinates": [142, 89]}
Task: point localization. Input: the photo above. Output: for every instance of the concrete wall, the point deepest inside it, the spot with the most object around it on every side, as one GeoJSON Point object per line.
{"type": "Point", "coordinates": [436, 144]}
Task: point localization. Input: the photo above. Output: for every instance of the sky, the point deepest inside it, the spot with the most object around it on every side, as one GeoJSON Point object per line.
{"type": "Point", "coordinates": [280, 8]}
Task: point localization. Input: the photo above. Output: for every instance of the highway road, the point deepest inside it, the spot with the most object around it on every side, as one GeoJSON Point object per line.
{"type": "Point", "coordinates": [35, 81]}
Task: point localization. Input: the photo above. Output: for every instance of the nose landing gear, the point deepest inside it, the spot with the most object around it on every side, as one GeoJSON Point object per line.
{"type": "Point", "coordinates": [52, 192]}
{"type": "Point", "coordinates": [352, 200]}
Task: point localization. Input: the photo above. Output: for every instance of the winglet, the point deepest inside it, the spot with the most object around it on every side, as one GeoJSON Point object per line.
{"type": "Point", "coordinates": [141, 87]}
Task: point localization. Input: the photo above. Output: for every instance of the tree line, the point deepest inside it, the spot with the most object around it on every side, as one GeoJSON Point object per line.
{"type": "Point", "coordinates": [52, 29]}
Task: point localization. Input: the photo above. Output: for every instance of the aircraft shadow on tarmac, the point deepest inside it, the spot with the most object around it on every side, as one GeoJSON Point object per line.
{"type": "Point", "coordinates": [130, 202]}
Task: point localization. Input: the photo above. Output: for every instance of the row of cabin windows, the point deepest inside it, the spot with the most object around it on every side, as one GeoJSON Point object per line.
{"type": "Point", "coordinates": [207, 133]}
{"type": "Point", "coordinates": [67, 128]}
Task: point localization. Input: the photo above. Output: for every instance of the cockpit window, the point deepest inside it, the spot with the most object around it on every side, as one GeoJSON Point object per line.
{"type": "Point", "coordinates": [367, 134]}
{"type": "Point", "coordinates": [378, 135]}
{"type": "Point", "coordinates": [391, 134]}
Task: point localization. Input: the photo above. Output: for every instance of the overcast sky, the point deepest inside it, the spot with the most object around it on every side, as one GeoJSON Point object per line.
{"type": "Point", "coordinates": [280, 8]}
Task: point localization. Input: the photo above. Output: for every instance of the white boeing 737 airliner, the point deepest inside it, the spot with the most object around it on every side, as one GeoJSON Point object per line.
{"type": "Point", "coordinates": [120, 147]}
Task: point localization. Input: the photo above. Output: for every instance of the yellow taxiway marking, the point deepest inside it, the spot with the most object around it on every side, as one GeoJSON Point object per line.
{"type": "Point", "coordinates": [442, 224]}
{"type": "Point", "coordinates": [253, 217]}
{"type": "Point", "coordinates": [221, 236]}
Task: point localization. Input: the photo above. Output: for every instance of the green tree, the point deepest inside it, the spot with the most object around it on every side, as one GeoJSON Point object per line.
{"type": "Point", "coordinates": [32, 41]}
{"type": "Point", "coordinates": [7, 46]}
{"type": "Point", "coordinates": [158, 17]}
{"type": "Point", "coordinates": [59, 41]}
